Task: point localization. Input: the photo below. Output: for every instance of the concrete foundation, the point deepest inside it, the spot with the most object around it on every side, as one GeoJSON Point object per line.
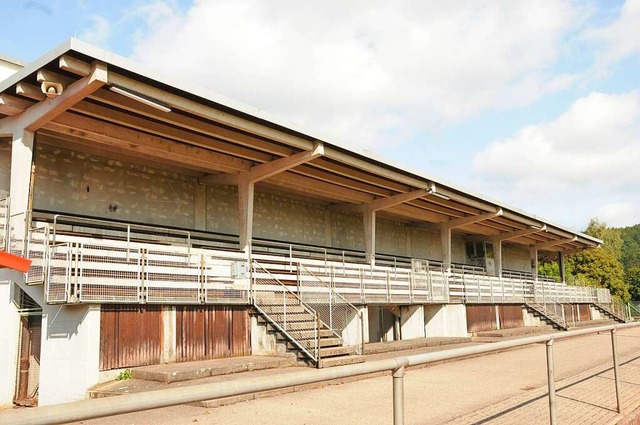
{"type": "Point", "coordinates": [263, 342]}
{"type": "Point", "coordinates": [596, 314]}
{"type": "Point", "coordinates": [353, 330]}
{"type": "Point", "coordinates": [530, 319]}
{"type": "Point", "coordinates": [445, 320]}
{"type": "Point", "coordinates": [412, 322]}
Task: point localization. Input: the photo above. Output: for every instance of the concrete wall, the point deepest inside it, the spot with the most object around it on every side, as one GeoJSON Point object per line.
{"type": "Point", "coordinates": [70, 352]}
{"type": "Point", "coordinates": [516, 257]}
{"type": "Point", "coordinates": [530, 319]}
{"type": "Point", "coordinates": [445, 320]}
{"type": "Point", "coordinates": [79, 183]}
{"type": "Point", "coordinates": [412, 323]}
{"type": "Point", "coordinates": [5, 167]}
{"type": "Point", "coordinates": [8, 339]}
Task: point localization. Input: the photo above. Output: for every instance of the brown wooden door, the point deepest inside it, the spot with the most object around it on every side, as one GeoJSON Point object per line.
{"type": "Point", "coordinates": [130, 336]}
{"type": "Point", "coordinates": [510, 316]}
{"type": "Point", "coordinates": [29, 361]}
{"type": "Point", "coordinates": [481, 318]}
{"type": "Point", "coordinates": [211, 332]}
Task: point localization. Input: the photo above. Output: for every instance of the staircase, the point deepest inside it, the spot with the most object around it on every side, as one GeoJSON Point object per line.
{"type": "Point", "coordinates": [299, 324]}
{"type": "Point", "coordinates": [547, 308]}
{"type": "Point", "coordinates": [547, 315]}
{"type": "Point", "coordinates": [612, 313]}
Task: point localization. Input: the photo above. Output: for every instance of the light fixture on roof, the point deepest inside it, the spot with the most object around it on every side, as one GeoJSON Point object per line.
{"type": "Point", "coordinates": [139, 98]}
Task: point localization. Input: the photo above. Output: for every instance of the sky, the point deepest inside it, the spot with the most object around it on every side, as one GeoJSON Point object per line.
{"type": "Point", "coordinates": [534, 103]}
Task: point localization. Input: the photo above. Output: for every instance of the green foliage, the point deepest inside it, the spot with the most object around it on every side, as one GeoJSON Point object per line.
{"type": "Point", "coordinates": [599, 268]}
{"type": "Point", "coordinates": [550, 268]}
{"type": "Point", "coordinates": [124, 375]}
{"type": "Point", "coordinates": [631, 246]}
{"type": "Point", "coordinates": [632, 278]}
{"type": "Point", "coordinates": [611, 237]}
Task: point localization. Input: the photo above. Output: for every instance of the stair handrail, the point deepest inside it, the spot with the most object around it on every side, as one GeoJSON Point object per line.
{"type": "Point", "coordinates": [315, 354]}
{"type": "Point", "coordinates": [333, 293]}
{"type": "Point", "coordinates": [547, 298]}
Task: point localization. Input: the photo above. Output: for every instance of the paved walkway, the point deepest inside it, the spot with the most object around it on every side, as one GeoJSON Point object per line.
{"type": "Point", "coordinates": [502, 388]}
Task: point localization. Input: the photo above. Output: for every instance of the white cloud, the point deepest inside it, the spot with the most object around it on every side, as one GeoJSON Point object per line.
{"type": "Point", "coordinates": [584, 162]}
{"type": "Point", "coordinates": [98, 33]}
{"type": "Point", "coordinates": [620, 38]}
{"type": "Point", "coordinates": [619, 214]}
{"type": "Point", "coordinates": [367, 72]}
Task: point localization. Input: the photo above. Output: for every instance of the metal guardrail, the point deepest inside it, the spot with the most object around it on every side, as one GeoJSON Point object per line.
{"type": "Point", "coordinates": [338, 314]}
{"type": "Point", "coordinates": [96, 408]}
{"type": "Point", "coordinates": [4, 223]}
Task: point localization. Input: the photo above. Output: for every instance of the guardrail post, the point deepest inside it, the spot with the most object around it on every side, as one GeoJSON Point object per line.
{"type": "Point", "coordinates": [551, 383]}
{"type": "Point", "coordinates": [616, 368]}
{"type": "Point", "coordinates": [398, 396]}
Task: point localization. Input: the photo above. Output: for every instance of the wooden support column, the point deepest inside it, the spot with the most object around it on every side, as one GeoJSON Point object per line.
{"type": "Point", "coordinates": [497, 256]}
{"type": "Point", "coordinates": [445, 239]}
{"type": "Point", "coordinates": [561, 266]}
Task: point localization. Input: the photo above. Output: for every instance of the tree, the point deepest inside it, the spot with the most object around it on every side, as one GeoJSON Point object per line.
{"type": "Point", "coordinates": [611, 237]}
{"type": "Point", "coordinates": [632, 278]}
{"type": "Point", "coordinates": [599, 268]}
{"type": "Point", "coordinates": [631, 246]}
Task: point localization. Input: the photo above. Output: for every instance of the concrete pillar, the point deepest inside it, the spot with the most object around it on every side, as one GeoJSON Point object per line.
{"type": "Point", "coordinates": [8, 339]}
{"type": "Point", "coordinates": [445, 239]}
{"type": "Point", "coordinates": [200, 207]}
{"type": "Point", "coordinates": [263, 342]}
{"type": "Point", "coordinates": [355, 331]}
{"type": "Point", "coordinates": [497, 255]}
{"type": "Point", "coordinates": [561, 266]}
{"type": "Point", "coordinates": [21, 161]}
{"type": "Point", "coordinates": [245, 210]}
{"type": "Point", "coordinates": [369, 220]}
{"type": "Point", "coordinates": [445, 320]}
{"type": "Point", "coordinates": [168, 316]}
{"type": "Point", "coordinates": [412, 321]}
{"type": "Point", "coordinates": [533, 254]}
{"type": "Point", "coordinates": [70, 352]}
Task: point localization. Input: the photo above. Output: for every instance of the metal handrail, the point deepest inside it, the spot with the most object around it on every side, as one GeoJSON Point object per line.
{"type": "Point", "coordinates": [127, 226]}
{"type": "Point", "coordinates": [5, 218]}
{"type": "Point", "coordinates": [283, 327]}
{"type": "Point", "coordinates": [101, 407]}
{"type": "Point", "coordinates": [331, 293]}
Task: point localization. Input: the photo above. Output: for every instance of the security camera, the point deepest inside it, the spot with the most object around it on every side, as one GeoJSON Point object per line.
{"type": "Point", "coordinates": [51, 89]}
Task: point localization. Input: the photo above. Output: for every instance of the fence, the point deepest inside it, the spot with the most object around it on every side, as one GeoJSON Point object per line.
{"type": "Point", "coordinates": [107, 270]}
{"type": "Point", "coordinates": [89, 409]}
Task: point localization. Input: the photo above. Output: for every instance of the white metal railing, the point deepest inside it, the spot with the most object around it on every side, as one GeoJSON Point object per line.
{"type": "Point", "coordinates": [286, 311]}
{"type": "Point", "coordinates": [4, 224]}
{"type": "Point", "coordinates": [101, 271]}
{"type": "Point", "coordinates": [550, 305]}
{"type": "Point", "coordinates": [338, 314]}
{"type": "Point", "coordinates": [107, 270]}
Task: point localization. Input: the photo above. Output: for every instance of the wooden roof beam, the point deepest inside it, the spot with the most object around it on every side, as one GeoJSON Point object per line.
{"type": "Point", "coordinates": [520, 233]}
{"type": "Point", "coordinates": [552, 243]}
{"type": "Point", "coordinates": [463, 221]}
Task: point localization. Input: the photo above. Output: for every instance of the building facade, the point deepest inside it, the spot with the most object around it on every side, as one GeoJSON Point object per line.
{"type": "Point", "coordinates": [168, 224]}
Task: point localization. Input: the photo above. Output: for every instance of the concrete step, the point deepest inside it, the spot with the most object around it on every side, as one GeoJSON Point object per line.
{"type": "Point", "coordinates": [292, 317]}
{"type": "Point", "coordinates": [341, 361]}
{"type": "Point", "coordinates": [303, 335]}
{"type": "Point", "coordinates": [336, 351]}
{"type": "Point", "coordinates": [292, 326]}
{"type": "Point", "coordinates": [275, 309]}
{"type": "Point", "coordinates": [177, 372]}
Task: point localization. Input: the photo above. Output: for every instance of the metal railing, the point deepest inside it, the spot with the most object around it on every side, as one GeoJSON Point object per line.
{"type": "Point", "coordinates": [96, 408]}
{"type": "Point", "coordinates": [4, 223]}
{"type": "Point", "coordinates": [334, 311]}
{"type": "Point", "coordinates": [285, 310]}
{"type": "Point", "coordinates": [553, 309]}
{"type": "Point", "coordinates": [111, 271]}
